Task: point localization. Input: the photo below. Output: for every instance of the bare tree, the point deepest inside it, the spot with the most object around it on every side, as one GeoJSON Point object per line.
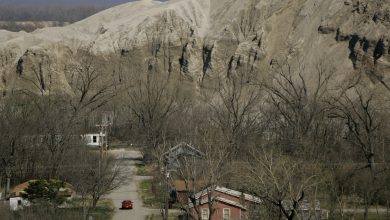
{"type": "Point", "coordinates": [280, 181]}
{"type": "Point", "coordinates": [152, 101]}
{"type": "Point", "coordinates": [358, 109]}
{"type": "Point", "coordinates": [47, 127]}
{"type": "Point", "coordinates": [201, 177]}
{"type": "Point", "coordinates": [297, 111]}
{"type": "Point", "coordinates": [201, 174]}
{"type": "Point", "coordinates": [92, 86]}
{"type": "Point", "coordinates": [90, 182]}
{"type": "Point", "coordinates": [235, 110]}
{"type": "Point", "coordinates": [15, 116]}
{"type": "Point", "coordinates": [59, 116]}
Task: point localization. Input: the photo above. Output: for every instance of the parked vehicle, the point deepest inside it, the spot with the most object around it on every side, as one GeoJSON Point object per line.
{"type": "Point", "coordinates": [127, 204]}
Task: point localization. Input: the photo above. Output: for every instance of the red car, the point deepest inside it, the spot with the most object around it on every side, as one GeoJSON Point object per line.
{"type": "Point", "coordinates": [127, 204]}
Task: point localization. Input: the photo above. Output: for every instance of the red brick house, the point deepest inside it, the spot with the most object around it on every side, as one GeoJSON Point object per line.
{"type": "Point", "coordinates": [228, 204]}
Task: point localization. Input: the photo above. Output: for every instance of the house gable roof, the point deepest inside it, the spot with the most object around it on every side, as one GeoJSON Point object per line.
{"type": "Point", "coordinates": [183, 149]}
{"type": "Point", "coordinates": [231, 192]}
{"type": "Point", "coordinates": [223, 200]}
{"type": "Point", "coordinates": [238, 194]}
{"type": "Point", "coordinates": [180, 150]}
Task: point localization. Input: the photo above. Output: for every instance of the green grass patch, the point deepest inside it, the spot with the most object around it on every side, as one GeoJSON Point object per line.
{"type": "Point", "coordinates": [124, 145]}
{"type": "Point", "coordinates": [173, 216]}
{"type": "Point", "coordinates": [147, 196]}
{"type": "Point", "coordinates": [103, 211]}
{"type": "Point", "coordinates": [143, 170]}
{"type": "Point", "coordinates": [371, 216]}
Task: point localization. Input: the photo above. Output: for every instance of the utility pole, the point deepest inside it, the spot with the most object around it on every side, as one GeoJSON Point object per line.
{"type": "Point", "coordinates": [8, 172]}
{"type": "Point", "coordinates": [7, 188]}
{"type": "Point", "coordinates": [104, 128]}
{"type": "Point", "coordinates": [166, 197]}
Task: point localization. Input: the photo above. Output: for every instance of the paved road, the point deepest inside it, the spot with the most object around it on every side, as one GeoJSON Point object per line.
{"type": "Point", "coordinates": [370, 210]}
{"type": "Point", "coordinates": [128, 190]}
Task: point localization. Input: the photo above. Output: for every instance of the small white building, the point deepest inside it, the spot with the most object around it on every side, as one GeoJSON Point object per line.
{"type": "Point", "coordinates": [17, 203]}
{"type": "Point", "coordinates": [93, 139]}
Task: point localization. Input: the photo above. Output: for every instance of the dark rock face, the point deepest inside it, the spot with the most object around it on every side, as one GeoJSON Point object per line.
{"type": "Point", "coordinates": [326, 29]}
{"type": "Point", "coordinates": [19, 67]}
{"type": "Point", "coordinates": [207, 58]}
{"type": "Point", "coordinates": [379, 50]}
{"type": "Point", "coordinates": [365, 26]}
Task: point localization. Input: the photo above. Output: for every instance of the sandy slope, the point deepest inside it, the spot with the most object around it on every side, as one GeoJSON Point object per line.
{"type": "Point", "coordinates": [202, 39]}
{"type": "Point", "coordinates": [106, 28]}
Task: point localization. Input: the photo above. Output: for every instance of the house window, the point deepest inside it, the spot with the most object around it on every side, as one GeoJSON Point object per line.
{"type": "Point", "coordinates": [205, 214]}
{"type": "Point", "coordinates": [226, 214]}
{"type": "Point", "coordinates": [94, 139]}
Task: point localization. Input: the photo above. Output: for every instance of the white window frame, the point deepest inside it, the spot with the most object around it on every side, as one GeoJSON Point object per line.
{"type": "Point", "coordinates": [226, 211]}
{"type": "Point", "coordinates": [94, 139]}
{"type": "Point", "coordinates": [205, 214]}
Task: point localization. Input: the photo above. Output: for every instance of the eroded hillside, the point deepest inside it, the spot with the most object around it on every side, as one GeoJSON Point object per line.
{"type": "Point", "coordinates": [199, 40]}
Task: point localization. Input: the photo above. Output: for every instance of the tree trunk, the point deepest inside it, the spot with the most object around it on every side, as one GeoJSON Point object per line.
{"type": "Point", "coordinates": [371, 160]}
{"type": "Point", "coordinates": [166, 211]}
{"type": "Point", "coordinates": [85, 212]}
{"type": "Point", "coordinates": [7, 188]}
{"type": "Point", "coordinates": [291, 217]}
{"type": "Point", "coordinates": [366, 205]}
{"type": "Point", "coordinates": [95, 200]}
{"type": "Point", "coordinates": [1, 181]}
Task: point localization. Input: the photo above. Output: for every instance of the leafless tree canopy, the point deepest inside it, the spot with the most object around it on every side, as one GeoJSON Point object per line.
{"type": "Point", "coordinates": [291, 138]}
{"type": "Point", "coordinates": [41, 133]}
